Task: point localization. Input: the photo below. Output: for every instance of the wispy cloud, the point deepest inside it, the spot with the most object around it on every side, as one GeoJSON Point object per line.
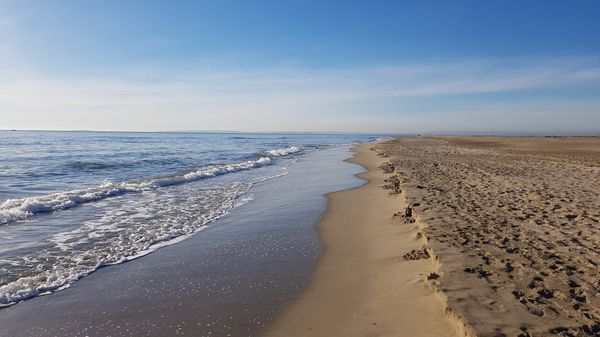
{"type": "Point", "coordinates": [375, 98]}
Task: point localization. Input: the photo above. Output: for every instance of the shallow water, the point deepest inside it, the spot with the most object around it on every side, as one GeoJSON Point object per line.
{"type": "Point", "coordinates": [233, 278]}
{"type": "Point", "coordinates": [73, 202]}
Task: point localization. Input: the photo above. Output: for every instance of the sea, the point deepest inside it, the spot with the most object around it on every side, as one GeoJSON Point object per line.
{"type": "Point", "coordinates": [74, 202]}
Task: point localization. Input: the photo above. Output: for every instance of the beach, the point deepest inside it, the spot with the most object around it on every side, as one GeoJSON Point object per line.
{"type": "Point", "coordinates": [409, 236]}
{"type": "Point", "coordinates": [370, 281]}
{"type": "Point", "coordinates": [299, 168]}
{"type": "Point", "coordinates": [514, 222]}
{"type": "Point", "coordinates": [460, 236]}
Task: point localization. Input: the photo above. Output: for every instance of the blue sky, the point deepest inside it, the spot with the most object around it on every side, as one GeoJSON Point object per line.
{"type": "Point", "coordinates": [366, 66]}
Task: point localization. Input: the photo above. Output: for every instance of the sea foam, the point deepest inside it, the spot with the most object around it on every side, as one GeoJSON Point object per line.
{"type": "Point", "coordinates": [22, 208]}
{"type": "Point", "coordinates": [114, 236]}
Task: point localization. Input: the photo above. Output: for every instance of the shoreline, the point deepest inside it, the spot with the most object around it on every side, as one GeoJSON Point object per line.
{"type": "Point", "coordinates": [233, 278]}
{"type": "Point", "coordinates": [372, 278]}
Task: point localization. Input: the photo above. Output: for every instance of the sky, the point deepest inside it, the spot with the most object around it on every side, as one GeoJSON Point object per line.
{"type": "Point", "coordinates": [476, 67]}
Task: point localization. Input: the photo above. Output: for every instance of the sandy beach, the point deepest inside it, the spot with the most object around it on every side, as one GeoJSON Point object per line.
{"type": "Point", "coordinates": [455, 236]}
{"type": "Point", "coordinates": [377, 275]}
{"type": "Point", "coordinates": [446, 236]}
{"type": "Point", "coordinates": [299, 168]}
{"type": "Point", "coordinates": [514, 222]}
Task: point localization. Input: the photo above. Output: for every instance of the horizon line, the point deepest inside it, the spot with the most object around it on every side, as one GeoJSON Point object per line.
{"type": "Point", "coordinates": [400, 134]}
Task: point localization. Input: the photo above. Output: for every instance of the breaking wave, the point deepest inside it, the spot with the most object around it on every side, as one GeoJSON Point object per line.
{"type": "Point", "coordinates": [22, 208]}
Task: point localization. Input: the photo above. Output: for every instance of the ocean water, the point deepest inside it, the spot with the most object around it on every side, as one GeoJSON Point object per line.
{"type": "Point", "coordinates": [73, 202]}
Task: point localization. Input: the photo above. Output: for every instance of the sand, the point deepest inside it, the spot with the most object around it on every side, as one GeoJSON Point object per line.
{"type": "Point", "coordinates": [377, 276]}
{"type": "Point", "coordinates": [515, 222]}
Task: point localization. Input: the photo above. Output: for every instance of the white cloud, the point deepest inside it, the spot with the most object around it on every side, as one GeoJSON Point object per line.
{"type": "Point", "coordinates": [359, 99]}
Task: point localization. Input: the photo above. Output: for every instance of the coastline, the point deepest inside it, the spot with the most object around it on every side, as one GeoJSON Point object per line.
{"type": "Point", "coordinates": [233, 278]}
{"type": "Point", "coordinates": [441, 236]}
{"type": "Point", "coordinates": [367, 281]}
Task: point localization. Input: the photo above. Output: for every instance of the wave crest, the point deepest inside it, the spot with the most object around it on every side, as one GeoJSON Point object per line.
{"type": "Point", "coordinates": [22, 208]}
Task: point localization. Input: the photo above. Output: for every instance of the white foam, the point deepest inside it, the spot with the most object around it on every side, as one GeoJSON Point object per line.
{"type": "Point", "coordinates": [283, 152]}
{"type": "Point", "coordinates": [117, 238]}
{"type": "Point", "coordinates": [156, 219]}
{"type": "Point", "coordinates": [19, 209]}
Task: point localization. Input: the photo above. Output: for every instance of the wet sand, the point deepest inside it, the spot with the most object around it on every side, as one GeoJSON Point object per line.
{"type": "Point", "coordinates": [515, 222]}
{"type": "Point", "coordinates": [377, 276]}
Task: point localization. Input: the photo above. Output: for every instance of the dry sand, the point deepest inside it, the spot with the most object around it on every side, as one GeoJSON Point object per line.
{"type": "Point", "coordinates": [377, 276]}
{"type": "Point", "coordinates": [515, 222]}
